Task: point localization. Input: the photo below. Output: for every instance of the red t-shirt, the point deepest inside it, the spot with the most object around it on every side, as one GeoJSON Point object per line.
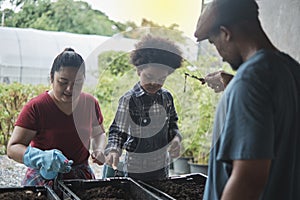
{"type": "Point", "coordinates": [57, 130]}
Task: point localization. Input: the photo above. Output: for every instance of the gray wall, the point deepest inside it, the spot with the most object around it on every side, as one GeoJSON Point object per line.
{"type": "Point", "coordinates": [281, 21]}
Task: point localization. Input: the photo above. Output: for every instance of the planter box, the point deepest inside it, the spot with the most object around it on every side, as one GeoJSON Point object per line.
{"type": "Point", "coordinates": [198, 168]}
{"type": "Point", "coordinates": [125, 188]}
{"type": "Point", "coordinates": [28, 192]}
{"type": "Point", "coordinates": [189, 186]}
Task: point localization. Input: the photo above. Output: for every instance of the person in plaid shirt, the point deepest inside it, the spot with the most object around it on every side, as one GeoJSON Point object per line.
{"type": "Point", "coordinates": [145, 124]}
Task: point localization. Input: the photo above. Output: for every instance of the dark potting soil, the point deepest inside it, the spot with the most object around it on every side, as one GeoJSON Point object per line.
{"type": "Point", "coordinates": [181, 190]}
{"type": "Point", "coordinates": [104, 193]}
{"type": "Point", "coordinates": [23, 195]}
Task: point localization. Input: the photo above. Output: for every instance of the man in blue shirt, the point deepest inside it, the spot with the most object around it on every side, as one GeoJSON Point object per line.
{"type": "Point", "coordinates": [256, 143]}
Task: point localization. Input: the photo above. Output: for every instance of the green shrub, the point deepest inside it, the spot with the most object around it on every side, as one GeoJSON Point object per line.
{"type": "Point", "coordinates": [12, 98]}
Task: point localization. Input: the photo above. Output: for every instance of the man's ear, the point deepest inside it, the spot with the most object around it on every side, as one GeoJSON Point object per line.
{"type": "Point", "coordinates": [226, 33]}
{"type": "Point", "coordinates": [138, 71]}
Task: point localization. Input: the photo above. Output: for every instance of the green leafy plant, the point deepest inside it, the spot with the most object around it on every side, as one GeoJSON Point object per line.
{"type": "Point", "coordinates": [197, 133]}
{"type": "Point", "coordinates": [12, 98]}
{"type": "Point", "coordinates": [196, 126]}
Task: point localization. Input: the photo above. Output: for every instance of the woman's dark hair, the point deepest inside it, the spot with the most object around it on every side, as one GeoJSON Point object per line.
{"type": "Point", "coordinates": [158, 50]}
{"type": "Point", "coordinates": [67, 58]}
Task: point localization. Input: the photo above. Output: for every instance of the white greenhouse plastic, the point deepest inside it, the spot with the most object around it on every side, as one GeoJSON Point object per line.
{"type": "Point", "coordinates": [26, 55]}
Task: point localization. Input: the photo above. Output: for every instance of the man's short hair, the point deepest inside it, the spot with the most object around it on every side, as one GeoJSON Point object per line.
{"type": "Point", "coordinates": [224, 13]}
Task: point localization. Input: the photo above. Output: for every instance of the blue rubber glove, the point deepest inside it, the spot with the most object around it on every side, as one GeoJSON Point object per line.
{"type": "Point", "coordinates": [49, 162]}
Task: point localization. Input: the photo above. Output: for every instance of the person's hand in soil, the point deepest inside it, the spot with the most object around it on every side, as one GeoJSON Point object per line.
{"type": "Point", "coordinates": [112, 159]}
{"type": "Point", "coordinates": [218, 80]}
{"type": "Point", "coordinates": [98, 157]}
{"type": "Point", "coordinates": [174, 147]}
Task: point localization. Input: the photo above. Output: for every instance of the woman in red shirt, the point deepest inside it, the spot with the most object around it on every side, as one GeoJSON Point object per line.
{"type": "Point", "coordinates": [54, 131]}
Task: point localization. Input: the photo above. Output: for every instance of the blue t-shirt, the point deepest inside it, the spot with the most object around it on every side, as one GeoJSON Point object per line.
{"type": "Point", "coordinates": [257, 118]}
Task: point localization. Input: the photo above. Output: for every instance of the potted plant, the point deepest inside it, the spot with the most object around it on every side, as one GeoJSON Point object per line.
{"type": "Point", "coordinates": [200, 163]}
{"type": "Point", "coordinates": [200, 144]}
{"type": "Point", "coordinates": [181, 164]}
{"type": "Point", "coordinates": [196, 109]}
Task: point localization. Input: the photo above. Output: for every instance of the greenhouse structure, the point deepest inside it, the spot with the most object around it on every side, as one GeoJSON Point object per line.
{"type": "Point", "coordinates": [26, 55]}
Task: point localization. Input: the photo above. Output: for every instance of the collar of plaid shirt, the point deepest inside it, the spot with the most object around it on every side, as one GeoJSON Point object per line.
{"type": "Point", "coordinates": [139, 91]}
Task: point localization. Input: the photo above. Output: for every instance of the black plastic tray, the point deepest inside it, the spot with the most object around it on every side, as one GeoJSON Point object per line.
{"type": "Point", "coordinates": [44, 190]}
{"type": "Point", "coordinates": [70, 187]}
{"type": "Point", "coordinates": [196, 178]}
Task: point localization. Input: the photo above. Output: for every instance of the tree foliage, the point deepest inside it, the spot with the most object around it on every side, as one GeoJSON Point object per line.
{"type": "Point", "coordinates": [62, 15]}
{"type": "Point", "coordinates": [171, 32]}
{"type": "Point", "coordinates": [117, 62]}
{"type": "Point", "coordinates": [78, 17]}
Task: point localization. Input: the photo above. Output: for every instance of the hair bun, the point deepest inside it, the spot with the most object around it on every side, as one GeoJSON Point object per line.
{"type": "Point", "coordinates": [69, 49]}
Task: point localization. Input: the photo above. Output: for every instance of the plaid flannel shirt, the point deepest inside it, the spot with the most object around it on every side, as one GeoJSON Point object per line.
{"type": "Point", "coordinates": [123, 132]}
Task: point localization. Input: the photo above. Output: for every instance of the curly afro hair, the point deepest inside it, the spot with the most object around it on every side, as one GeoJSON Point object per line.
{"type": "Point", "coordinates": [156, 50]}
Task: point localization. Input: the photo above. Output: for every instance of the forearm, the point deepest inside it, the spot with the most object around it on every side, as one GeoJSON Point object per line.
{"type": "Point", "coordinates": [18, 143]}
{"type": "Point", "coordinates": [236, 189]}
{"type": "Point", "coordinates": [16, 152]}
{"type": "Point", "coordinates": [173, 126]}
{"type": "Point", "coordinates": [115, 142]}
{"type": "Point", "coordinates": [99, 142]}
{"type": "Point", "coordinates": [98, 139]}
{"type": "Point", "coordinates": [116, 138]}
{"type": "Point", "coordinates": [172, 133]}
{"type": "Point", "coordinates": [247, 180]}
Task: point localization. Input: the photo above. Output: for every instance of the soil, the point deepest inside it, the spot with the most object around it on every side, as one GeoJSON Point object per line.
{"type": "Point", "coordinates": [181, 190]}
{"type": "Point", "coordinates": [104, 193]}
{"type": "Point", "coordinates": [24, 195]}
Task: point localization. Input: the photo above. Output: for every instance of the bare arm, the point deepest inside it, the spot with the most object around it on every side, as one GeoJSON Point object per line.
{"type": "Point", "coordinates": [18, 143]}
{"type": "Point", "coordinates": [98, 143]}
{"type": "Point", "coordinates": [247, 180]}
